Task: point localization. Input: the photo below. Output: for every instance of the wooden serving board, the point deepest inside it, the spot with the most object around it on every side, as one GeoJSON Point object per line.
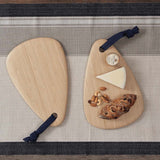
{"type": "Point", "coordinates": [38, 69]}
{"type": "Point", "coordinates": [96, 66]}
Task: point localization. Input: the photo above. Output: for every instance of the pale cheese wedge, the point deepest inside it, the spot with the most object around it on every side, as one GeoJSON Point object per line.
{"type": "Point", "coordinates": [116, 77]}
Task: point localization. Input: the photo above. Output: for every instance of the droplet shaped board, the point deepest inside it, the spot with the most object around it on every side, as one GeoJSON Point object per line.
{"type": "Point", "coordinates": [96, 72]}
{"type": "Point", "coordinates": [38, 70]}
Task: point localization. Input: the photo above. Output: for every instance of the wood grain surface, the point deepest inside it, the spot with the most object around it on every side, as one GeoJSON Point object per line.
{"type": "Point", "coordinates": [75, 1]}
{"type": "Point", "coordinates": [38, 69]}
{"type": "Point", "coordinates": [96, 66]}
{"type": "Point", "coordinates": [80, 157]}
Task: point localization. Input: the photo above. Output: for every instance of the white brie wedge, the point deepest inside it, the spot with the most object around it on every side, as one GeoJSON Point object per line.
{"type": "Point", "coordinates": [116, 77]}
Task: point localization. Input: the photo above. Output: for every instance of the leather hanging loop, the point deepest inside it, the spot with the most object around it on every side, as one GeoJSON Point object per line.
{"type": "Point", "coordinates": [128, 33]}
{"type": "Point", "coordinates": [34, 135]}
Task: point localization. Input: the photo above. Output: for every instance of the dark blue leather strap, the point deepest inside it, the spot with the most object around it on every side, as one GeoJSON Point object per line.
{"type": "Point", "coordinates": [128, 33]}
{"type": "Point", "coordinates": [34, 135]}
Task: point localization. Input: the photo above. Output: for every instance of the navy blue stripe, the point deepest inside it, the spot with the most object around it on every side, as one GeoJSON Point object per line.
{"type": "Point", "coordinates": [83, 9]}
{"type": "Point", "coordinates": [72, 148]}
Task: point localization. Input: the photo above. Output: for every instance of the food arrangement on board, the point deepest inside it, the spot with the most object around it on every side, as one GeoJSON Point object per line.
{"type": "Point", "coordinates": [112, 98]}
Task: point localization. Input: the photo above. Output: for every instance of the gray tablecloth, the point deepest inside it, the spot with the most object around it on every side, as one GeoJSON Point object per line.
{"type": "Point", "coordinates": [77, 34]}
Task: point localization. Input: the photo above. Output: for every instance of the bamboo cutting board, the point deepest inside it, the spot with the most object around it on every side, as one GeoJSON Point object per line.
{"type": "Point", "coordinates": [96, 66]}
{"type": "Point", "coordinates": [38, 70]}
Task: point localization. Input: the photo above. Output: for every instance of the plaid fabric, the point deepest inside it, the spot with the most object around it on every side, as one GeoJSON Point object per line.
{"type": "Point", "coordinates": [77, 34]}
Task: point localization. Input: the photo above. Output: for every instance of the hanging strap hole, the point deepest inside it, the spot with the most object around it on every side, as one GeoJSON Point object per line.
{"type": "Point", "coordinates": [101, 49]}
{"type": "Point", "coordinates": [55, 115]}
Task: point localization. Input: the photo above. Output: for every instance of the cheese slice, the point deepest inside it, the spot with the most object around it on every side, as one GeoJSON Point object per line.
{"type": "Point", "coordinates": [116, 77]}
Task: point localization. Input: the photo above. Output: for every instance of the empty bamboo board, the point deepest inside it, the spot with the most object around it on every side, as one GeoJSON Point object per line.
{"type": "Point", "coordinates": [38, 69]}
{"type": "Point", "coordinates": [97, 66]}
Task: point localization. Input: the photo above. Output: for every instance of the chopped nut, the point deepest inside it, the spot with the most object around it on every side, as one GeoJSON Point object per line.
{"type": "Point", "coordinates": [103, 88]}
{"type": "Point", "coordinates": [93, 104]}
{"type": "Point", "coordinates": [99, 102]}
{"type": "Point", "coordinates": [105, 98]}
{"type": "Point", "coordinates": [96, 100]}
{"type": "Point", "coordinates": [99, 94]}
{"type": "Point", "coordinates": [96, 93]}
{"type": "Point", "coordinates": [93, 98]}
{"type": "Point", "coordinates": [89, 101]}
